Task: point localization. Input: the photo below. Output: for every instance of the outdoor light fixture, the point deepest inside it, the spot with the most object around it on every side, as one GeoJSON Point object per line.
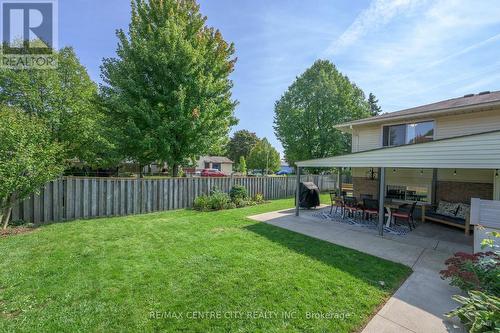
{"type": "Point", "coordinates": [371, 174]}
{"type": "Point", "coordinates": [455, 172]}
{"type": "Point", "coordinates": [496, 173]}
{"type": "Point", "coordinates": [393, 170]}
{"type": "Point", "coordinates": [421, 172]}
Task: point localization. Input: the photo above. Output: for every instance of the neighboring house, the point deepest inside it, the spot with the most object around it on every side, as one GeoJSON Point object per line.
{"type": "Point", "coordinates": [445, 151]}
{"type": "Point", "coordinates": [220, 163]}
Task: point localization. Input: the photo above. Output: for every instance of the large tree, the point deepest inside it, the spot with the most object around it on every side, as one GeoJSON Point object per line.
{"type": "Point", "coordinates": [66, 99]}
{"type": "Point", "coordinates": [29, 158]}
{"type": "Point", "coordinates": [264, 157]}
{"type": "Point", "coordinates": [241, 144]}
{"type": "Point", "coordinates": [375, 109]}
{"type": "Point", "coordinates": [168, 91]}
{"type": "Point", "coordinates": [306, 115]}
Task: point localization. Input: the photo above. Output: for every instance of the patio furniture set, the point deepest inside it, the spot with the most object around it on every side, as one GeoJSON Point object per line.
{"type": "Point", "coordinates": [367, 208]}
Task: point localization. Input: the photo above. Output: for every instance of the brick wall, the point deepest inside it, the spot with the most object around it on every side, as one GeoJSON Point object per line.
{"type": "Point", "coordinates": [362, 185]}
{"type": "Point", "coordinates": [463, 192]}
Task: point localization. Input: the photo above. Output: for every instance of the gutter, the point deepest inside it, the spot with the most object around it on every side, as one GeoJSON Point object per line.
{"type": "Point", "coordinates": [347, 127]}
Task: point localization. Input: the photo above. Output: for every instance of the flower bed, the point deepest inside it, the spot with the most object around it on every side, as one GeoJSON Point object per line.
{"type": "Point", "coordinates": [478, 275]}
{"type": "Point", "coordinates": [238, 197]}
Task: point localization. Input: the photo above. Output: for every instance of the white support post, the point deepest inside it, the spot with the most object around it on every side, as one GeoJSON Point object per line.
{"type": "Point", "coordinates": [297, 193]}
{"type": "Point", "coordinates": [496, 184]}
{"type": "Point", "coordinates": [381, 199]}
{"type": "Point", "coordinates": [340, 182]}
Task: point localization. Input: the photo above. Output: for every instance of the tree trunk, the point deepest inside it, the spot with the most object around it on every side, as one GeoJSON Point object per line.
{"type": "Point", "coordinates": [141, 173]}
{"type": "Point", "coordinates": [6, 217]}
{"type": "Point", "coordinates": [175, 170]}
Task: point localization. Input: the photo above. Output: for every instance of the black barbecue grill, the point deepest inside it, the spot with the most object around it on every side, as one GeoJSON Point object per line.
{"type": "Point", "coordinates": [308, 195]}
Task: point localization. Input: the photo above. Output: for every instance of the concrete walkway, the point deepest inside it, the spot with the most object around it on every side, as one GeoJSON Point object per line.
{"type": "Point", "coordinates": [419, 304]}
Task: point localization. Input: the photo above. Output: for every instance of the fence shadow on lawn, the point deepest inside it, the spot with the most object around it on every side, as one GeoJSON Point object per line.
{"type": "Point", "coordinates": [364, 267]}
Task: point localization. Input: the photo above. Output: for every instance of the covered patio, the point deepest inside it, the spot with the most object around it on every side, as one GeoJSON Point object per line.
{"type": "Point", "coordinates": [463, 167]}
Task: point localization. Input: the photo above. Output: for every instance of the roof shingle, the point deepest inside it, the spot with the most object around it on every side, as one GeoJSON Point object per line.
{"type": "Point", "coordinates": [453, 103]}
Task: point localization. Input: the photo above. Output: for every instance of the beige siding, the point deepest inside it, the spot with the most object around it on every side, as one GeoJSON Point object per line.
{"type": "Point", "coordinates": [415, 177]}
{"type": "Point", "coordinates": [496, 187]}
{"type": "Point", "coordinates": [227, 168]}
{"type": "Point", "coordinates": [466, 175]}
{"type": "Point", "coordinates": [470, 123]}
{"type": "Point", "coordinates": [366, 138]}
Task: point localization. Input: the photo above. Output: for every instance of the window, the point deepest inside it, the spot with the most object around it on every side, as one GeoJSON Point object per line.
{"type": "Point", "coordinates": [207, 165]}
{"type": "Point", "coordinates": [216, 166]}
{"type": "Point", "coordinates": [408, 193]}
{"type": "Point", "coordinates": [395, 135]}
{"type": "Point", "coordinates": [398, 135]}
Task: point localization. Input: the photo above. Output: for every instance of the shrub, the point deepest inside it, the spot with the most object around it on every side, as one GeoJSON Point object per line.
{"type": "Point", "coordinates": [479, 312]}
{"type": "Point", "coordinates": [201, 203]}
{"type": "Point", "coordinates": [215, 201]}
{"type": "Point", "coordinates": [480, 271]}
{"type": "Point", "coordinates": [238, 192]}
{"type": "Point", "coordinates": [259, 198]}
{"type": "Point", "coordinates": [219, 200]}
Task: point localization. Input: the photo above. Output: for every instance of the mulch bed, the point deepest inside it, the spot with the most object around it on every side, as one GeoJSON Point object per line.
{"type": "Point", "coordinates": [15, 231]}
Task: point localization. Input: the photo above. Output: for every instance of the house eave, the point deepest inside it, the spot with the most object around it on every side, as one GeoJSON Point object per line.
{"type": "Point", "coordinates": [347, 127]}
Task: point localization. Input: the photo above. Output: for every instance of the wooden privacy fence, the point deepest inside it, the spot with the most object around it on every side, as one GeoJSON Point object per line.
{"type": "Point", "coordinates": [72, 198]}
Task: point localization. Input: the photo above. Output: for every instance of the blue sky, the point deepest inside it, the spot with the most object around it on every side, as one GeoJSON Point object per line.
{"type": "Point", "coordinates": [407, 52]}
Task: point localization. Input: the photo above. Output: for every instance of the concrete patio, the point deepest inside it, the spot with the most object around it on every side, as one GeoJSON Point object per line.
{"type": "Point", "coordinates": [420, 303]}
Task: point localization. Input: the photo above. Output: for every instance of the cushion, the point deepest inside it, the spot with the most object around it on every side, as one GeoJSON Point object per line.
{"type": "Point", "coordinates": [455, 220]}
{"type": "Point", "coordinates": [447, 208]}
{"type": "Point", "coordinates": [463, 211]}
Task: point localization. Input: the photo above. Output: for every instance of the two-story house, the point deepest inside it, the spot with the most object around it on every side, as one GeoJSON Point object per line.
{"type": "Point", "coordinates": [446, 151]}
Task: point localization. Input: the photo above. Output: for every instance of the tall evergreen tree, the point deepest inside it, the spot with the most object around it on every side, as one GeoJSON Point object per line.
{"type": "Point", "coordinates": [306, 115]}
{"type": "Point", "coordinates": [168, 91]}
{"type": "Point", "coordinates": [375, 109]}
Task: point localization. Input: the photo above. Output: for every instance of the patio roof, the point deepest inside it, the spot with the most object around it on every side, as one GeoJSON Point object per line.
{"type": "Point", "coordinates": [476, 151]}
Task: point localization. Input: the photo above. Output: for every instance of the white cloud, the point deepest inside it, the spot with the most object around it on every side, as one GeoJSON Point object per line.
{"type": "Point", "coordinates": [421, 52]}
{"type": "Point", "coordinates": [379, 13]}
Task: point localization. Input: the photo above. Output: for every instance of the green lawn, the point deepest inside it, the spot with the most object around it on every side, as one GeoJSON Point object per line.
{"type": "Point", "coordinates": [114, 274]}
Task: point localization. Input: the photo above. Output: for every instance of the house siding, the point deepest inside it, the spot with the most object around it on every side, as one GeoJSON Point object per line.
{"type": "Point", "coordinates": [367, 137]}
{"type": "Point", "coordinates": [470, 123]}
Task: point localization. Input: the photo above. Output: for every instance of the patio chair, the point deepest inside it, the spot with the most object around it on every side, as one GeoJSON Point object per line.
{"type": "Point", "coordinates": [406, 215]}
{"type": "Point", "coordinates": [370, 207]}
{"type": "Point", "coordinates": [336, 202]}
{"type": "Point", "coordinates": [352, 206]}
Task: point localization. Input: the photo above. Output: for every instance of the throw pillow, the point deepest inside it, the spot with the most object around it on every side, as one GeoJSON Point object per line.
{"type": "Point", "coordinates": [463, 211]}
{"type": "Point", "coordinates": [447, 208]}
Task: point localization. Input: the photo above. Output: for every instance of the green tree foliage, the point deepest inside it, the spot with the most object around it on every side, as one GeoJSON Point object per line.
{"type": "Point", "coordinates": [306, 115]}
{"type": "Point", "coordinates": [168, 91]}
{"type": "Point", "coordinates": [264, 157]}
{"type": "Point", "coordinates": [242, 165]}
{"type": "Point", "coordinates": [66, 99]}
{"type": "Point", "coordinates": [241, 144]}
{"type": "Point", "coordinates": [28, 158]}
{"type": "Point", "coordinates": [375, 109]}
